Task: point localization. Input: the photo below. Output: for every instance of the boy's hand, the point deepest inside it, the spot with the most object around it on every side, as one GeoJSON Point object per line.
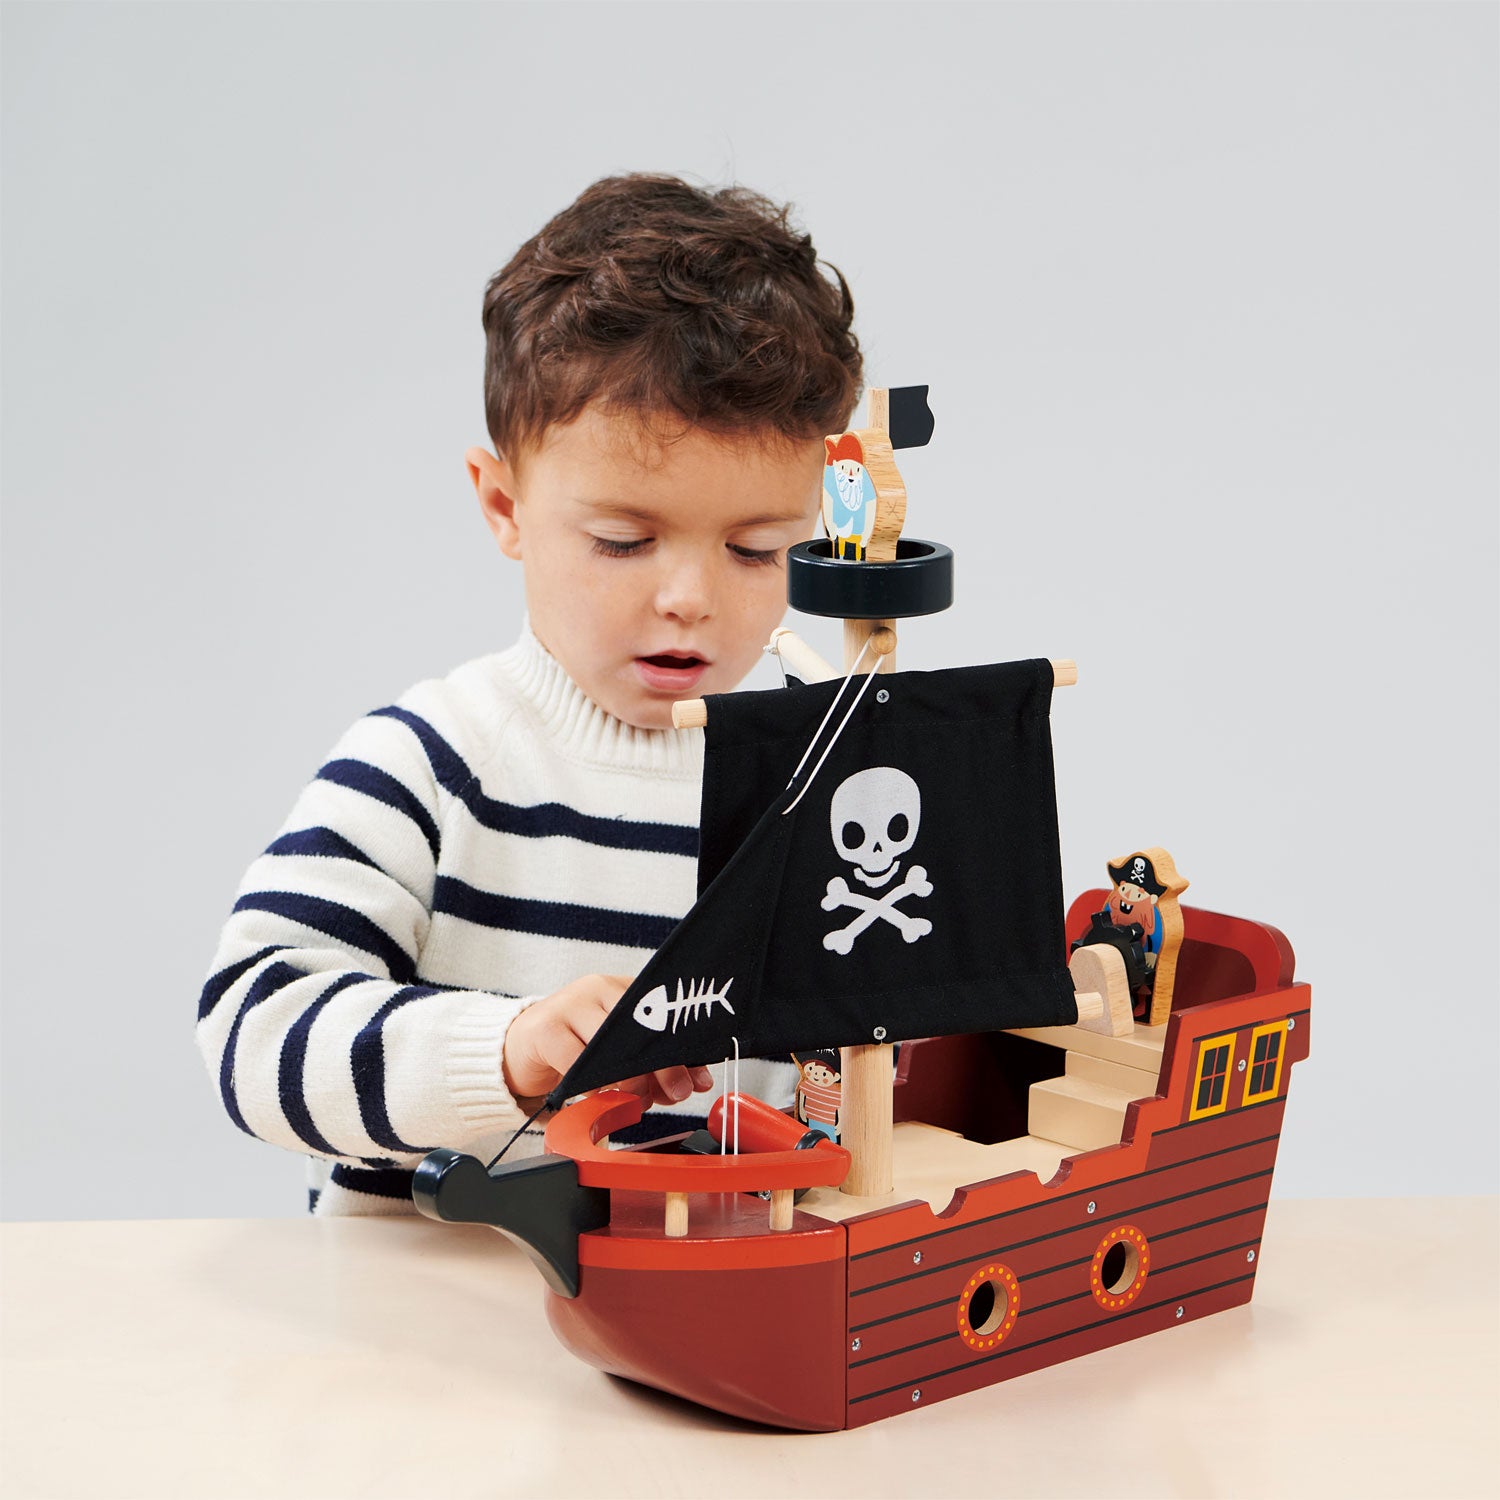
{"type": "Point", "coordinates": [544, 1041]}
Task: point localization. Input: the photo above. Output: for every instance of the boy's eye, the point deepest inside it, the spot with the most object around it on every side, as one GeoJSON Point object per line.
{"type": "Point", "coordinates": [754, 556]}
{"type": "Point", "coordinates": [605, 547]}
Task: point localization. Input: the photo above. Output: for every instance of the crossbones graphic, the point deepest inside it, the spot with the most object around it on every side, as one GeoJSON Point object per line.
{"type": "Point", "coordinates": [871, 910]}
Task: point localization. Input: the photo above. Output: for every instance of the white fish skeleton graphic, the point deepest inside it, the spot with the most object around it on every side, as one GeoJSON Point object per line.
{"type": "Point", "coordinates": [653, 1009]}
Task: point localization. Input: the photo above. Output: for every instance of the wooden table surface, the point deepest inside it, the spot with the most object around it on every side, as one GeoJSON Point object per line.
{"type": "Point", "coordinates": [331, 1358]}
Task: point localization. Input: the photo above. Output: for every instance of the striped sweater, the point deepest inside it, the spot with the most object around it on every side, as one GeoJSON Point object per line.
{"type": "Point", "coordinates": [461, 854]}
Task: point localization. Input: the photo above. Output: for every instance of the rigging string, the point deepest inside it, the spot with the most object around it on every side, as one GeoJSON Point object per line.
{"type": "Point", "coordinates": [517, 1136]}
{"type": "Point", "coordinates": [864, 687]}
{"type": "Point", "coordinates": [771, 650]}
{"type": "Point", "coordinates": [724, 1124]}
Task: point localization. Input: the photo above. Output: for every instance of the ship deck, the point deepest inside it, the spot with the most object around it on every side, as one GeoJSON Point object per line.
{"type": "Point", "coordinates": [929, 1163]}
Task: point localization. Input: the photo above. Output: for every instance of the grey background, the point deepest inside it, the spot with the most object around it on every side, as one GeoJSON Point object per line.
{"type": "Point", "coordinates": [1207, 300]}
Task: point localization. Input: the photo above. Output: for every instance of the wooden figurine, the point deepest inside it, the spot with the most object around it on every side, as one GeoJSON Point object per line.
{"type": "Point", "coordinates": [1143, 922]}
{"type": "Point", "coordinates": [817, 1100]}
{"type": "Point", "coordinates": [1036, 1178]}
{"type": "Point", "coordinates": [864, 497]}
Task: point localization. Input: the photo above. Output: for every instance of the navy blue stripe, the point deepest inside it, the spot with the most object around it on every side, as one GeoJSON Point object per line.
{"type": "Point", "coordinates": [393, 1182]}
{"type": "Point", "coordinates": [312, 1200]}
{"type": "Point", "coordinates": [218, 983]}
{"type": "Point", "coordinates": [555, 820]}
{"type": "Point", "coordinates": [559, 919]}
{"type": "Point", "coordinates": [290, 1069]}
{"type": "Point", "coordinates": [267, 982]}
{"type": "Point", "coordinates": [360, 776]}
{"type": "Point", "coordinates": [448, 766]}
{"type": "Point", "coordinates": [322, 842]}
{"type": "Point", "coordinates": [543, 819]}
{"type": "Point", "coordinates": [335, 920]}
{"type": "Point", "coordinates": [367, 1059]}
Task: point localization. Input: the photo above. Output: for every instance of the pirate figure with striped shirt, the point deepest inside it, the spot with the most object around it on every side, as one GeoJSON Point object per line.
{"type": "Point", "coordinates": [819, 1091]}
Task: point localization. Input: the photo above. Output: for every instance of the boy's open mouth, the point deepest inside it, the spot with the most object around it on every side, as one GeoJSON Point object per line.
{"type": "Point", "coordinates": [672, 660]}
{"type": "Point", "coordinates": [671, 671]}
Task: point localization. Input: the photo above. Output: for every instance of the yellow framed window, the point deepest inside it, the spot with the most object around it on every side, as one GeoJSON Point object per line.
{"type": "Point", "coordinates": [1267, 1048]}
{"type": "Point", "coordinates": [1211, 1083]}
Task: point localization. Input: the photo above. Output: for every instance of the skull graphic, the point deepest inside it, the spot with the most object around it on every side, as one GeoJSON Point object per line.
{"type": "Point", "coordinates": [874, 818]}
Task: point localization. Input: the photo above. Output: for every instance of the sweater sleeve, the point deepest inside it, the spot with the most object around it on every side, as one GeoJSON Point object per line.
{"type": "Point", "coordinates": [312, 1022]}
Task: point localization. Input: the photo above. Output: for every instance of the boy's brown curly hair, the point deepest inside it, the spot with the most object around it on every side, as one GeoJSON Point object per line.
{"type": "Point", "coordinates": [670, 302]}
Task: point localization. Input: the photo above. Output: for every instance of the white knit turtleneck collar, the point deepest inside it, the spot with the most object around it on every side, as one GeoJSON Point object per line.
{"type": "Point", "coordinates": [583, 731]}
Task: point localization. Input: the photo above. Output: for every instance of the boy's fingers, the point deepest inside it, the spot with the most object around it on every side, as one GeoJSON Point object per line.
{"type": "Point", "coordinates": [674, 1083]}
{"type": "Point", "coordinates": [559, 1049]}
{"type": "Point", "coordinates": [607, 992]}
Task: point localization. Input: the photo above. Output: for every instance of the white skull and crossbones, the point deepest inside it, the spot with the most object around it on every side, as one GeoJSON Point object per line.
{"type": "Point", "coordinates": [874, 816]}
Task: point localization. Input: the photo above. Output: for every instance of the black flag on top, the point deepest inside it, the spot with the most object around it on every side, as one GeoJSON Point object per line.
{"type": "Point", "coordinates": [912, 887]}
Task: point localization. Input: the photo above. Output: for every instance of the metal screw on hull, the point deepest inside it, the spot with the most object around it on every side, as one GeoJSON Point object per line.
{"type": "Point", "coordinates": [1179, 1312]}
{"type": "Point", "coordinates": [1249, 1255]}
{"type": "Point", "coordinates": [1292, 1024]}
{"type": "Point", "coordinates": [916, 1257]}
{"type": "Point", "coordinates": [1091, 1207]}
{"type": "Point", "coordinates": [855, 1346]}
{"type": "Point", "coordinates": [1242, 1065]}
{"type": "Point", "coordinates": [916, 1395]}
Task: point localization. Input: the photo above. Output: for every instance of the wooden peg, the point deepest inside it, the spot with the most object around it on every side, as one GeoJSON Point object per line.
{"type": "Point", "coordinates": [800, 659]}
{"type": "Point", "coordinates": [882, 639]}
{"type": "Point", "coordinates": [781, 1208]}
{"type": "Point", "coordinates": [692, 713]}
{"type": "Point", "coordinates": [677, 1216]}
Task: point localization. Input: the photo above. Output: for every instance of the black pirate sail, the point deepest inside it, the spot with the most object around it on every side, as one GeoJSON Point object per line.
{"type": "Point", "coordinates": [910, 885]}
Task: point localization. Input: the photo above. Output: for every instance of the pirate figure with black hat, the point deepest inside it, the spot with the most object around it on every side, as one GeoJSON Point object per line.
{"type": "Point", "coordinates": [1131, 924]}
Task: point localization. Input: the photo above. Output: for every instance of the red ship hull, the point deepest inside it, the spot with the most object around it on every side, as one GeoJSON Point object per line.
{"type": "Point", "coordinates": [834, 1324]}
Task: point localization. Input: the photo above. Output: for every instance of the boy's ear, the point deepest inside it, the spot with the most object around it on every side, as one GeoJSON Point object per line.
{"type": "Point", "coordinates": [495, 484]}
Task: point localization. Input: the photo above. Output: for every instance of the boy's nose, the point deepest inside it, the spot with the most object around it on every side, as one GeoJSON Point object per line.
{"type": "Point", "coordinates": [684, 594]}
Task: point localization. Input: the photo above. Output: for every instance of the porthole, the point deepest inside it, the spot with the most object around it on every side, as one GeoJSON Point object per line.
{"type": "Point", "coordinates": [988, 1307]}
{"type": "Point", "coordinates": [1119, 1268]}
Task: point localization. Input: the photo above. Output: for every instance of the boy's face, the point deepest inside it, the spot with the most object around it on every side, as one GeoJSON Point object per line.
{"type": "Point", "coordinates": [654, 571]}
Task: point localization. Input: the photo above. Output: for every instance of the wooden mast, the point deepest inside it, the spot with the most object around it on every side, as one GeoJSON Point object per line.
{"type": "Point", "coordinates": [866, 1105]}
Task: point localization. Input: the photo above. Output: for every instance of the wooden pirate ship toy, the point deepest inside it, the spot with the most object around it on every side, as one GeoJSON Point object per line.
{"type": "Point", "coordinates": [1070, 1146]}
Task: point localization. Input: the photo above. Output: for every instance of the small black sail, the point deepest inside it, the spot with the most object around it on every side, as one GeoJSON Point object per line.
{"type": "Point", "coordinates": [910, 886]}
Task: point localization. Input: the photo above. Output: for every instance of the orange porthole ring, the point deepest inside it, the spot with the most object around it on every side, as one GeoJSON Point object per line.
{"type": "Point", "coordinates": [1116, 1279]}
{"type": "Point", "coordinates": [999, 1304]}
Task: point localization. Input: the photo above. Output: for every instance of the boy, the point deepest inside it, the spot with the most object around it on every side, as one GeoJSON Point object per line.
{"type": "Point", "coordinates": [464, 891]}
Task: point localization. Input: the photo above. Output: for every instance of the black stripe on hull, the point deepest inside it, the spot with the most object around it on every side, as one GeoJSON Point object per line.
{"type": "Point", "coordinates": [1156, 1239]}
{"type": "Point", "coordinates": [1009, 1246]}
{"type": "Point", "coordinates": [1115, 1320]}
{"type": "Point", "coordinates": [1084, 1296]}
